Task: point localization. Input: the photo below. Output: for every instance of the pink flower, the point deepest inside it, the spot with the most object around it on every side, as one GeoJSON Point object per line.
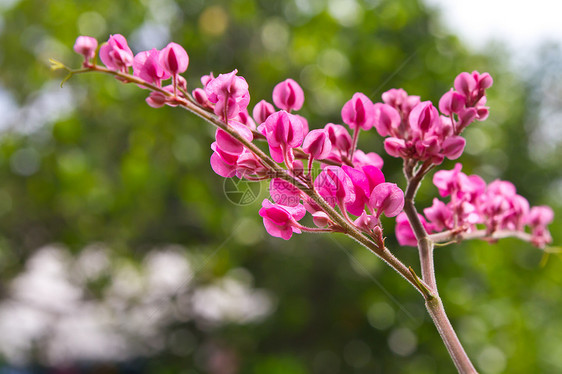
{"type": "Point", "coordinates": [86, 46]}
{"type": "Point", "coordinates": [404, 233]}
{"type": "Point", "coordinates": [401, 101]}
{"type": "Point", "coordinates": [387, 119]}
{"type": "Point", "coordinates": [387, 198]}
{"type": "Point", "coordinates": [452, 102]}
{"type": "Point", "coordinates": [395, 147]}
{"type": "Point", "coordinates": [335, 186]}
{"type": "Point", "coordinates": [288, 95]}
{"type": "Point", "coordinates": [359, 112]}
{"type": "Point", "coordinates": [262, 110]}
{"type": "Point", "coordinates": [424, 117]}
{"type": "Point", "coordinates": [147, 67]}
{"type": "Point", "coordinates": [366, 222]}
{"type": "Point", "coordinates": [453, 147]}
{"type": "Point", "coordinates": [283, 131]}
{"type": "Point", "coordinates": [116, 54]}
{"type": "Point", "coordinates": [440, 215]}
{"type": "Point", "coordinates": [284, 193]}
{"type": "Point", "coordinates": [174, 59]}
{"type": "Point", "coordinates": [448, 181]}
{"type": "Point", "coordinates": [360, 188]}
{"type": "Point", "coordinates": [540, 216]}
{"type": "Point", "coordinates": [465, 84]}
{"type": "Point", "coordinates": [317, 144]}
{"type": "Point", "coordinates": [340, 139]}
{"type": "Point", "coordinates": [229, 93]}
{"type": "Point", "coordinates": [371, 158]}
{"type": "Point", "coordinates": [227, 150]}
{"type": "Point", "coordinates": [281, 221]}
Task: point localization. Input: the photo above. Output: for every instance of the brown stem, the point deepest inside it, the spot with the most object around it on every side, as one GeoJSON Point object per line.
{"type": "Point", "coordinates": [433, 305]}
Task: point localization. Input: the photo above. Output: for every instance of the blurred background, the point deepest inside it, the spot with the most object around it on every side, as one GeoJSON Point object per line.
{"type": "Point", "coordinates": [121, 253]}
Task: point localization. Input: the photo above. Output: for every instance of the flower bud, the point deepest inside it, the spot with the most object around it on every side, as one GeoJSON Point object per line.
{"type": "Point", "coordinates": [86, 46]}
{"type": "Point", "coordinates": [317, 144]}
{"type": "Point", "coordinates": [359, 112]}
{"type": "Point", "coordinates": [386, 119]}
{"type": "Point", "coordinates": [174, 59]}
{"type": "Point", "coordinates": [451, 102]}
{"type": "Point", "coordinates": [262, 110]}
{"type": "Point", "coordinates": [288, 95]}
{"type": "Point", "coordinates": [465, 84]}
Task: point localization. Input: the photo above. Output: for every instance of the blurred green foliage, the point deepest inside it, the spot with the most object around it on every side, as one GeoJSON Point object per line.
{"type": "Point", "coordinates": [91, 162]}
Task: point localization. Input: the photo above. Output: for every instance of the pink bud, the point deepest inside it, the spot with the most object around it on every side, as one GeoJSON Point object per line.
{"type": "Point", "coordinates": [86, 46]}
{"type": "Point", "coordinates": [321, 219]}
{"type": "Point", "coordinates": [317, 144]}
{"type": "Point", "coordinates": [156, 99]}
{"type": "Point", "coordinates": [116, 54]}
{"type": "Point", "coordinates": [424, 117]}
{"type": "Point", "coordinates": [359, 112]}
{"type": "Point", "coordinates": [395, 147]}
{"type": "Point", "coordinates": [465, 84]}
{"type": "Point", "coordinates": [262, 110]}
{"type": "Point", "coordinates": [288, 95]}
{"type": "Point", "coordinates": [386, 119]}
{"type": "Point", "coordinates": [339, 137]}
{"type": "Point", "coordinates": [387, 198]}
{"type": "Point", "coordinates": [453, 147]}
{"type": "Point", "coordinates": [201, 97]}
{"type": "Point", "coordinates": [451, 102]}
{"type": "Point", "coordinates": [174, 59]}
{"type": "Point", "coordinates": [205, 79]}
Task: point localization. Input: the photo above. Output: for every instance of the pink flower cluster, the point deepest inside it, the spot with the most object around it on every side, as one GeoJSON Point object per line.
{"type": "Point", "coordinates": [349, 179]}
{"type": "Point", "coordinates": [356, 187]}
{"type": "Point", "coordinates": [495, 206]}
{"type": "Point", "coordinates": [416, 130]}
{"type": "Point", "coordinates": [152, 66]}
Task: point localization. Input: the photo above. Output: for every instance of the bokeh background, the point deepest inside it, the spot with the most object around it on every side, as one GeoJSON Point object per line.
{"type": "Point", "coordinates": [120, 252]}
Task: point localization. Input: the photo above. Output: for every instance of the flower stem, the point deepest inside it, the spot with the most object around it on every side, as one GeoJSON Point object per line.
{"type": "Point", "coordinates": [434, 305]}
